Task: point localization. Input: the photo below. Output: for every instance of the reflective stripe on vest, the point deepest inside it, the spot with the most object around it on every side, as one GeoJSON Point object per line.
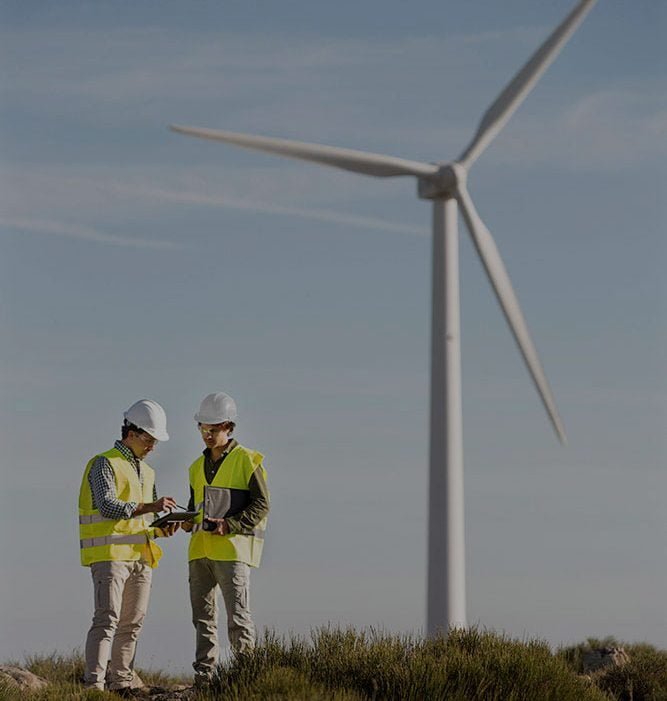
{"type": "Point", "coordinates": [234, 474]}
{"type": "Point", "coordinates": [93, 518]}
{"type": "Point", "coordinates": [113, 540]}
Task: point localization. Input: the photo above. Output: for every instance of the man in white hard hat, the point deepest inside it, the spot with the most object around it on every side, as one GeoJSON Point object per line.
{"type": "Point", "coordinates": [228, 488]}
{"type": "Point", "coordinates": [117, 495]}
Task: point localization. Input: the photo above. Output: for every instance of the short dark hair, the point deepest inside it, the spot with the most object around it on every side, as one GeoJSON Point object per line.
{"type": "Point", "coordinates": [127, 427]}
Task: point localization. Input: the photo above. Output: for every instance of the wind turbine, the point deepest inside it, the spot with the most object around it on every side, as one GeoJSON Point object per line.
{"type": "Point", "coordinates": [445, 185]}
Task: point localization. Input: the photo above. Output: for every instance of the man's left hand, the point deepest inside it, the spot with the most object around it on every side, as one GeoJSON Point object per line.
{"type": "Point", "coordinates": [170, 529]}
{"type": "Point", "coordinates": [221, 527]}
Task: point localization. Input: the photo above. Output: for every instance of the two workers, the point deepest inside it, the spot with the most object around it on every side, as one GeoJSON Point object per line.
{"type": "Point", "coordinates": [117, 502]}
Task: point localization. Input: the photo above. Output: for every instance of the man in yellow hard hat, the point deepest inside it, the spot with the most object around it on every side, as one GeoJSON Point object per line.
{"type": "Point", "coordinates": [228, 489]}
{"type": "Point", "coordinates": [117, 495]}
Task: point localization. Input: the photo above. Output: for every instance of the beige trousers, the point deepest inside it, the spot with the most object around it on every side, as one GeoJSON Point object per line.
{"type": "Point", "coordinates": [233, 578]}
{"type": "Point", "coordinates": [122, 590]}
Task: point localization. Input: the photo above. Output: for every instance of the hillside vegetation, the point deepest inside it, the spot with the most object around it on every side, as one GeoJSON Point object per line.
{"type": "Point", "coordinates": [348, 665]}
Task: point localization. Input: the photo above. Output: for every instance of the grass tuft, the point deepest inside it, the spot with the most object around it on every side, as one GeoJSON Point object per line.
{"type": "Point", "coordinates": [465, 665]}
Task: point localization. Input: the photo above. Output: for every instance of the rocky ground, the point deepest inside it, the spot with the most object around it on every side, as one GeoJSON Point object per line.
{"type": "Point", "coordinates": [177, 693]}
{"type": "Point", "coordinates": [17, 677]}
{"type": "Point", "coordinates": [22, 680]}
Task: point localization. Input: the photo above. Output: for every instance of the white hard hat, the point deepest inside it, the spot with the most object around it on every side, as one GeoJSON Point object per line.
{"type": "Point", "coordinates": [149, 416]}
{"type": "Point", "coordinates": [216, 408]}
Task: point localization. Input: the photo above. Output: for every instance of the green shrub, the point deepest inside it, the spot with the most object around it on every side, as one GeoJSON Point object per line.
{"type": "Point", "coordinates": [574, 654]}
{"type": "Point", "coordinates": [643, 678]}
{"type": "Point", "coordinates": [466, 665]}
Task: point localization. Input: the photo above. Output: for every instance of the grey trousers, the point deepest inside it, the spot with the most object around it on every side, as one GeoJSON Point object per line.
{"type": "Point", "coordinates": [122, 590]}
{"type": "Point", "coordinates": [233, 578]}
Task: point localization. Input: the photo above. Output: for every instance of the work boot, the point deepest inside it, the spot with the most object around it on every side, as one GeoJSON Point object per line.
{"type": "Point", "coordinates": [202, 682]}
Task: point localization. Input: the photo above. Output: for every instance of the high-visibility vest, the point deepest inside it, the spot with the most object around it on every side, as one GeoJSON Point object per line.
{"type": "Point", "coordinates": [233, 474]}
{"type": "Point", "coordinates": [103, 539]}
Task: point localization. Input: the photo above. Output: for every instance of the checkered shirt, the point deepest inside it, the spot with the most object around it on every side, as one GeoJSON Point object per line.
{"type": "Point", "coordinates": [103, 485]}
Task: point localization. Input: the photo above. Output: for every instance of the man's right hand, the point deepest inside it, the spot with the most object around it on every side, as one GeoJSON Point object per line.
{"type": "Point", "coordinates": [162, 504]}
{"type": "Point", "coordinates": [186, 526]}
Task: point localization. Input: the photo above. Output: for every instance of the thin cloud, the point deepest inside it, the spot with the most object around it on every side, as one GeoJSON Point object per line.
{"type": "Point", "coordinates": [603, 131]}
{"type": "Point", "coordinates": [323, 215]}
{"type": "Point", "coordinates": [240, 63]}
{"type": "Point", "coordinates": [83, 233]}
{"type": "Point", "coordinates": [316, 89]}
{"type": "Point", "coordinates": [99, 192]}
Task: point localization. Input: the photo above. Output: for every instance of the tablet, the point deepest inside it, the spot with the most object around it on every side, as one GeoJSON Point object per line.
{"type": "Point", "coordinates": [174, 517]}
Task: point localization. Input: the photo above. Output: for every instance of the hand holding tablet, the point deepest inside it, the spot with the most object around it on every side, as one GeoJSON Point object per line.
{"type": "Point", "coordinates": [174, 517]}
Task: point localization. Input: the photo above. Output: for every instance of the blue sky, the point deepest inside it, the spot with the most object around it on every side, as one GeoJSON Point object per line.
{"type": "Point", "coordinates": [136, 262]}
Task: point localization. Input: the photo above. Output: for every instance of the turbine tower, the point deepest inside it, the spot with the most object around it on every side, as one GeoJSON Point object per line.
{"type": "Point", "coordinates": [445, 185]}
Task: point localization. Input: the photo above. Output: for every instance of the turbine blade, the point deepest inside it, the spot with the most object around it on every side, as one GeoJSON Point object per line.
{"type": "Point", "coordinates": [517, 89]}
{"type": "Point", "coordinates": [500, 281]}
{"type": "Point", "coordinates": [357, 161]}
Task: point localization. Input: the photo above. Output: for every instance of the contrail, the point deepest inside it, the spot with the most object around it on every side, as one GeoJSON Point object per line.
{"type": "Point", "coordinates": [254, 206]}
{"type": "Point", "coordinates": [84, 233]}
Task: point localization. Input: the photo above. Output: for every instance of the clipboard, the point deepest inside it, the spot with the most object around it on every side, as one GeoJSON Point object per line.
{"type": "Point", "coordinates": [174, 517]}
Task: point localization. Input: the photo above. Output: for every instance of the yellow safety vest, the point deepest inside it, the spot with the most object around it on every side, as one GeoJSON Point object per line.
{"type": "Point", "coordinates": [234, 473]}
{"type": "Point", "coordinates": [103, 539]}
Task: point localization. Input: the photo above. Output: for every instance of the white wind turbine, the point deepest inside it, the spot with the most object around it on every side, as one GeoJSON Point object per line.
{"type": "Point", "coordinates": [445, 185]}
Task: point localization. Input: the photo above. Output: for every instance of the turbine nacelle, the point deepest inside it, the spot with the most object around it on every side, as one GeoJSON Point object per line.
{"type": "Point", "coordinates": [443, 185]}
